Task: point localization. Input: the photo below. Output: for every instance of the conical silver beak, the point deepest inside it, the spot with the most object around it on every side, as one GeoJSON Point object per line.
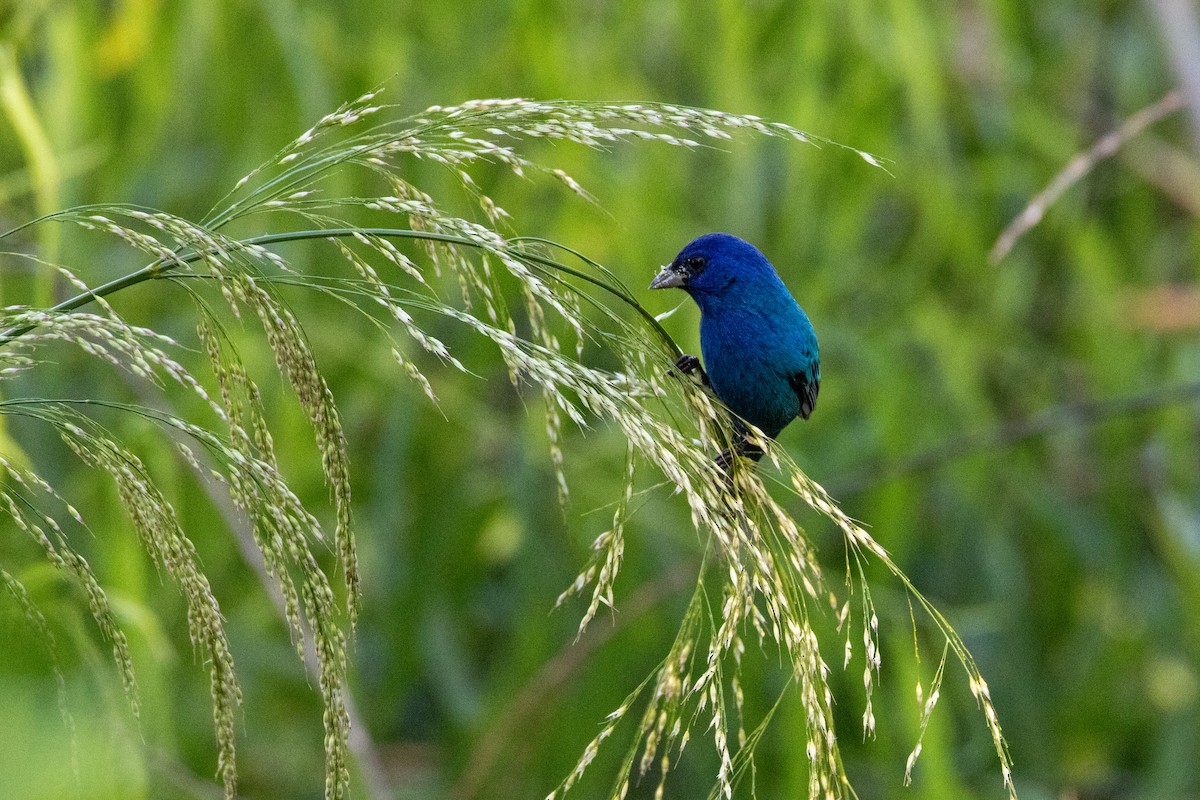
{"type": "Point", "coordinates": [668, 279]}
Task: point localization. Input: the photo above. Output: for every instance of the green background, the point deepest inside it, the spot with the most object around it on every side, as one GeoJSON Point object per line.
{"type": "Point", "coordinates": [965, 411]}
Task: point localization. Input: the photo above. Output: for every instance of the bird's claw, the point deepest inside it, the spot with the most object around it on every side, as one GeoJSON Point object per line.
{"type": "Point", "coordinates": [690, 366]}
{"type": "Point", "coordinates": [687, 364]}
{"type": "Point", "coordinates": [743, 448]}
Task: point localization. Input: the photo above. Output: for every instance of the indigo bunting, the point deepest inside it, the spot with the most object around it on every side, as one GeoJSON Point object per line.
{"type": "Point", "coordinates": [758, 345]}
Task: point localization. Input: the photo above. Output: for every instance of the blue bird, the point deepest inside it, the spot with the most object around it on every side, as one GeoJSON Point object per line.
{"type": "Point", "coordinates": [758, 345]}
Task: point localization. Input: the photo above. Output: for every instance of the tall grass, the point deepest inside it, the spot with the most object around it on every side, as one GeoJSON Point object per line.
{"type": "Point", "coordinates": [552, 315]}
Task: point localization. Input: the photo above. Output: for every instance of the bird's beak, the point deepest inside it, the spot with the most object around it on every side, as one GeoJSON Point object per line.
{"type": "Point", "coordinates": [668, 279]}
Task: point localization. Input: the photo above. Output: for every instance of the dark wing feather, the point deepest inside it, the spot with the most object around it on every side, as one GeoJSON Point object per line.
{"type": "Point", "coordinates": [806, 388]}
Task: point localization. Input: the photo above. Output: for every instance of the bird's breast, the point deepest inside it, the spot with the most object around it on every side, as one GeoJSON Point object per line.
{"type": "Point", "coordinates": [748, 360]}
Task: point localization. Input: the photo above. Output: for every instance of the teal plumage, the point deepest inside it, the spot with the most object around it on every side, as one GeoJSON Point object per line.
{"type": "Point", "coordinates": [759, 348]}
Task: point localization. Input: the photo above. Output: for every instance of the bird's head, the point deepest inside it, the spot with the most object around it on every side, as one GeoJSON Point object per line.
{"type": "Point", "coordinates": [709, 267]}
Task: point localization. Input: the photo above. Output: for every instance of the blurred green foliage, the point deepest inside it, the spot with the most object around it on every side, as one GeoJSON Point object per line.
{"type": "Point", "coordinates": [1068, 560]}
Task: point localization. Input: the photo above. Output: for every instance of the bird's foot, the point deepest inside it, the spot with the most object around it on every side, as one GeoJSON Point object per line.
{"type": "Point", "coordinates": [690, 366]}
{"type": "Point", "coordinates": [743, 448]}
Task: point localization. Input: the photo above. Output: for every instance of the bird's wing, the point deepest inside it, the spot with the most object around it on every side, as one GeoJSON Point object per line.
{"type": "Point", "coordinates": [806, 388]}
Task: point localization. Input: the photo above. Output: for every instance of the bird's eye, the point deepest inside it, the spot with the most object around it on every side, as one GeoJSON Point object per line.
{"type": "Point", "coordinates": [694, 265]}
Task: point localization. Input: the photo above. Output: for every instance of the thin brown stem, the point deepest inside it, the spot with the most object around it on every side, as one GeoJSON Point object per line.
{"type": "Point", "coordinates": [1079, 166]}
{"type": "Point", "coordinates": [1016, 431]}
{"type": "Point", "coordinates": [552, 676]}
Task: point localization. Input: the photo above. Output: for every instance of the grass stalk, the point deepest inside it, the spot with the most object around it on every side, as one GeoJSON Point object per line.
{"type": "Point", "coordinates": [163, 268]}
